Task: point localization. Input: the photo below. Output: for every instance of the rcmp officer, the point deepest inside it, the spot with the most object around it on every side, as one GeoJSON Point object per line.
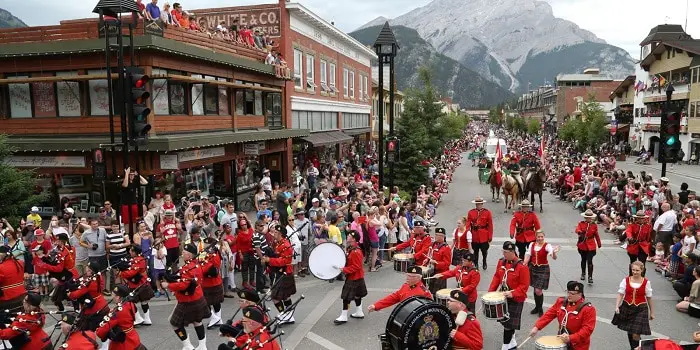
{"type": "Point", "coordinates": [513, 279]}
{"type": "Point", "coordinates": [480, 224]}
{"type": "Point", "coordinates": [354, 288]}
{"type": "Point", "coordinates": [24, 324]}
{"type": "Point", "coordinates": [281, 274]}
{"type": "Point", "coordinates": [12, 291]}
{"type": "Point", "coordinates": [118, 325]}
{"type": "Point", "coordinates": [468, 333]}
{"type": "Point", "coordinates": [523, 226]}
{"type": "Point", "coordinates": [76, 338]}
{"type": "Point", "coordinates": [440, 257]}
{"type": "Point", "coordinates": [576, 317]}
{"type": "Point", "coordinates": [136, 276]}
{"type": "Point", "coordinates": [639, 238]}
{"type": "Point", "coordinates": [255, 335]}
{"type": "Point", "coordinates": [419, 242]}
{"type": "Point", "coordinates": [468, 278]}
{"type": "Point", "coordinates": [413, 287]}
{"type": "Point", "coordinates": [588, 239]}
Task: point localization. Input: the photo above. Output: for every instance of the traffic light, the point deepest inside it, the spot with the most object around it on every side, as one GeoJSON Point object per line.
{"type": "Point", "coordinates": [392, 149]}
{"type": "Point", "coordinates": [670, 137]}
{"type": "Point", "coordinates": [137, 110]}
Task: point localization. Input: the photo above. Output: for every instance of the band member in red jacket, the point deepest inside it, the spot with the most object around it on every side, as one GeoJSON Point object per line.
{"type": "Point", "coordinates": [135, 275]}
{"type": "Point", "coordinates": [60, 263]}
{"type": "Point", "coordinates": [468, 279]}
{"type": "Point", "coordinates": [255, 336]}
{"type": "Point", "coordinates": [354, 288]}
{"type": "Point", "coordinates": [537, 261]}
{"type": "Point", "coordinates": [191, 306]}
{"type": "Point", "coordinates": [588, 240]}
{"type": "Point", "coordinates": [88, 293]}
{"type": "Point", "coordinates": [480, 224]}
{"type": "Point", "coordinates": [440, 258]}
{"type": "Point", "coordinates": [468, 333]}
{"type": "Point", "coordinates": [413, 287]}
{"type": "Point", "coordinates": [76, 337]}
{"type": "Point", "coordinates": [118, 325]}
{"type": "Point", "coordinates": [281, 274]}
{"type": "Point", "coordinates": [12, 289]}
{"type": "Point", "coordinates": [523, 227]}
{"type": "Point", "coordinates": [419, 243]}
{"type": "Point", "coordinates": [513, 279]}
{"type": "Point", "coordinates": [26, 330]}
{"type": "Point", "coordinates": [212, 284]}
{"type": "Point", "coordinates": [639, 238]}
{"type": "Point", "coordinates": [576, 317]}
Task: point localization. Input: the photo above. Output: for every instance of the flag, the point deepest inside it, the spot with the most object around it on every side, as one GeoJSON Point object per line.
{"type": "Point", "coordinates": [542, 158]}
{"type": "Point", "coordinates": [499, 155]}
{"type": "Point", "coordinates": [662, 80]}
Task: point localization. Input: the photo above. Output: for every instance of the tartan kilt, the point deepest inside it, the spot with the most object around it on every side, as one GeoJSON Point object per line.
{"type": "Point", "coordinates": [634, 319]}
{"type": "Point", "coordinates": [92, 322]}
{"type": "Point", "coordinates": [515, 310]}
{"type": "Point", "coordinates": [145, 293]}
{"type": "Point", "coordinates": [354, 289]}
{"type": "Point", "coordinates": [13, 305]}
{"type": "Point", "coordinates": [457, 255]}
{"type": "Point", "coordinates": [214, 295]}
{"type": "Point", "coordinates": [285, 289]}
{"type": "Point", "coordinates": [190, 312]}
{"type": "Point", "coordinates": [539, 276]}
{"type": "Point", "coordinates": [436, 284]}
{"type": "Point", "coordinates": [59, 294]}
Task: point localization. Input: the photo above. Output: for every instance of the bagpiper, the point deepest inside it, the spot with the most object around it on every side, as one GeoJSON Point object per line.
{"type": "Point", "coordinates": [480, 225]}
{"type": "Point", "coordinates": [118, 325]}
{"type": "Point", "coordinates": [255, 334]}
{"type": "Point", "coordinates": [246, 298]}
{"type": "Point", "coordinates": [76, 337]}
{"type": "Point", "coordinates": [135, 275]}
{"type": "Point", "coordinates": [60, 263]}
{"type": "Point", "coordinates": [212, 284]}
{"type": "Point", "coordinates": [419, 243]}
{"type": "Point", "coordinates": [281, 275]}
{"type": "Point", "coordinates": [440, 258]}
{"type": "Point", "coordinates": [87, 292]}
{"type": "Point", "coordinates": [523, 226]}
{"type": "Point", "coordinates": [26, 328]}
{"type": "Point", "coordinates": [354, 288]}
{"type": "Point", "coordinates": [12, 289]}
{"type": "Point", "coordinates": [468, 278]}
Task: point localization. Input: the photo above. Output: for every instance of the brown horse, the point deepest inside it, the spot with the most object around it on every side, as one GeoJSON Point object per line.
{"type": "Point", "coordinates": [534, 184]}
{"type": "Point", "coordinates": [495, 186]}
{"type": "Point", "coordinates": [510, 188]}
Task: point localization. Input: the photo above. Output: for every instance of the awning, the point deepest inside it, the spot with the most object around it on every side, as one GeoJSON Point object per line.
{"type": "Point", "coordinates": [357, 131]}
{"type": "Point", "coordinates": [619, 126]}
{"type": "Point", "coordinates": [327, 138]}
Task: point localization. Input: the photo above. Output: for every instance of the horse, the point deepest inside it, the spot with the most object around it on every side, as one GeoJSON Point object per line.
{"type": "Point", "coordinates": [510, 188]}
{"type": "Point", "coordinates": [534, 184]}
{"type": "Point", "coordinates": [495, 186]}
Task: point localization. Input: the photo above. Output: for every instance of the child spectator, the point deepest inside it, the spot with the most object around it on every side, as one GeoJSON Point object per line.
{"type": "Point", "coordinates": [41, 275]}
{"type": "Point", "coordinates": [675, 260]}
{"type": "Point", "coordinates": [159, 258]}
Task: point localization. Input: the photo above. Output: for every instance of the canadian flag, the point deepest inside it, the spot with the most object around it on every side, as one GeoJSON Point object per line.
{"type": "Point", "coordinates": [542, 156]}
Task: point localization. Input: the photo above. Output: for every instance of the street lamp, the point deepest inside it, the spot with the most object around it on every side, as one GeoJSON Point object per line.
{"type": "Point", "coordinates": [385, 46]}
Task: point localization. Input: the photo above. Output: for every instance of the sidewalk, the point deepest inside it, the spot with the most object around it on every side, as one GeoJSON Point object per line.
{"type": "Point", "coordinates": [685, 170]}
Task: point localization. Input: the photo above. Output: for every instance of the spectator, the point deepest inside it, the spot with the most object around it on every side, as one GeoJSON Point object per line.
{"type": "Point", "coordinates": [167, 231]}
{"type": "Point", "coordinates": [244, 244]}
{"type": "Point", "coordinates": [692, 298]}
{"type": "Point", "coordinates": [682, 286]}
{"type": "Point", "coordinates": [165, 16]}
{"type": "Point", "coordinates": [141, 6]}
{"type": "Point", "coordinates": [152, 11]}
{"type": "Point", "coordinates": [14, 242]}
{"type": "Point", "coordinates": [229, 216]}
{"type": "Point", "coordinates": [116, 244]}
{"type": "Point", "coordinates": [270, 58]}
{"type": "Point", "coordinates": [261, 249]}
{"type": "Point", "coordinates": [41, 275]}
{"type": "Point", "coordinates": [95, 240]}
{"type": "Point", "coordinates": [159, 259]}
{"type": "Point", "coordinates": [35, 217]}
{"type": "Point", "coordinates": [104, 220]}
{"type": "Point", "coordinates": [108, 208]}
{"type": "Point", "coordinates": [81, 253]}
{"type": "Point", "coordinates": [129, 193]}
{"type": "Point", "coordinates": [664, 226]}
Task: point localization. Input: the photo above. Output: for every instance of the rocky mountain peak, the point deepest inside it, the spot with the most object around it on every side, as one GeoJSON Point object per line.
{"type": "Point", "coordinates": [7, 20]}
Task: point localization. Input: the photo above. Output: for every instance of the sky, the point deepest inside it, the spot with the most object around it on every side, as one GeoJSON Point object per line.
{"type": "Point", "coordinates": [623, 23]}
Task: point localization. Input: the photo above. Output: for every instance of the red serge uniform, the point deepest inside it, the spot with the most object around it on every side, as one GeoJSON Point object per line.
{"type": "Point", "coordinates": [468, 334]}
{"type": "Point", "coordinates": [254, 340]}
{"type": "Point", "coordinates": [123, 318]}
{"type": "Point", "coordinates": [467, 279]}
{"type": "Point", "coordinates": [523, 226]}
{"type": "Point", "coordinates": [641, 236]}
{"type": "Point", "coordinates": [212, 260]}
{"type": "Point", "coordinates": [517, 278]}
{"type": "Point", "coordinates": [480, 222]}
{"type": "Point", "coordinates": [93, 289]}
{"type": "Point", "coordinates": [579, 323]}
{"type": "Point", "coordinates": [137, 267]}
{"type": "Point", "coordinates": [188, 272]}
{"type": "Point", "coordinates": [65, 261]}
{"type": "Point", "coordinates": [169, 229]}
{"type": "Point", "coordinates": [11, 280]}
{"type": "Point", "coordinates": [353, 269]}
{"type": "Point", "coordinates": [81, 340]}
{"type": "Point", "coordinates": [30, 323]}
{"type": "Point", "coordinates": [442, 254]}
{"type": "Point", "coordinates": [419, 245]}
{"type": "Point", "coordinates": [590, 233]}
{"type": "Point", "coordinates": [406, 291]}
{"type": "Point", "coordinates": [283, 261]}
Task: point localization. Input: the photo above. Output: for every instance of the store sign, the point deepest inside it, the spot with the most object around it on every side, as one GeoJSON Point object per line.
{"type": "Point", "coordinates": [265, 19]}
{"type": "Point", "coordinates": [168, 162]}
{"type": "Point", "coordinates": [253, 149]}
{"type": "Point", "coordinates": [198, 154]}
{"type": "Point", "coordinates": [46, 161]}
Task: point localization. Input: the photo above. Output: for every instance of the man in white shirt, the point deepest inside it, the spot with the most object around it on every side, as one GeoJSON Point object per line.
{"type": "Point", "coordinates": [303, 227]}
{"type": "Point", "coordinates": [266, 182]}
{"type": "Point", "coordinates": [229, 217]}
{"type": "Point", "coordinates": [665, 226]}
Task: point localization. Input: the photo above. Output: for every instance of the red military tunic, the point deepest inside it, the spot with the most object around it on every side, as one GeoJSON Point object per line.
{"type": "Point", "coordinates": [212, 260]}
{"type": "Point", "coordinates": [405, 292]}
{"type": "Point", "coordinates": [467, 279]}
{"type": "Point", "coordinates": [480, 222]}
{"type": "Point", "coordinates": [420, 246]}
{"type": "Point", "coordinates": [580, 325]}
{"type": "Point", "coordinates": [468, 334]}
{"type": "Point", "coordinates": [523, 226]}
{"type": "Point", "coordinates": [442, 254]}
{"type": "Point", "coordinates": [641, 236]}
{"type": "Point", "coordinates": [517, 278]}
{"type": "Point", "coordinates": [11, 279]}
{"type": "Point", "coordinates": [65, 259]}
{"type": "Point", "coordinates": [137, 267]}
{"type": "Point", "coordinates": [635, 296]}
{"type": "Point", "coordinates": [353, 269]}
{"type": "Point", "coordinates": [38, 339]}
{"type": "Point", "coordinates": [123, 319]}
{"type": "Point", "coordinates": [81, 340]}
{"type": "Point", "coordinates": [256, 340]}
{"type": "Point", "coordinates": [284, 253]}
{"type": "Point", "coordinates": [187, 273]}
{"type": "Point", "coordinates": [590, 232]}
{"type": "Point", "coordinates": [93, 289]}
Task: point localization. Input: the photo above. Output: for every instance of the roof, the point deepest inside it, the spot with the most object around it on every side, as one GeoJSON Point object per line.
{"type": "Point", "coordinates": [110, 7]}
{"type": "Point", "coordinates": [692, 46]}
{"type": "Point", "coordinates": [386, 36]}
{"type": "Point", "coordinates": [141, 42]}
{"type": "Point", "coordinates": [629, 81]}
{"type": "Point", "coordinates": [665, 32]}
{"type": "Point", "coordinates": [584, 77]}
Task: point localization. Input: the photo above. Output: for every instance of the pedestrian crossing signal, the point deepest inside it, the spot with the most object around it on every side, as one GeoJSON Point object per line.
{"type": "Point", "coordinates": [670, 130]}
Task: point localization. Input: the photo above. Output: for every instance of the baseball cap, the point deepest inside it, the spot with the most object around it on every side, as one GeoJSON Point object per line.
{"type": "Point", "coordinates": [314, 200]}
{"type": "Point", "coordinates": [35, 209]}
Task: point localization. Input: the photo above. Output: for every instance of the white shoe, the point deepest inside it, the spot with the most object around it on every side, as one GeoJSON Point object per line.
{"type": "Point", "coordinates": [105, 345]}
{"type": "Point", "coordinates": [147, 318]}
{"type": "Point", "coordinates": [202, 344]}
{"type": "Point", "coordinates": [358, 312]}
{"type": "Point", "coordinates": [513, 343]}
{"type": "Point", "coordinates": [138, 320]}
{"type": "Point", "coordinates": [343, 318]}
{"type": "Point", "coordinates": [287, 318]}
{"type": "Point", "coordinates": [215, 319]}
{"type": "Point", "coordinates": [186, 345]}
{"type": "Point", "coordinates": [624, 246]}
{"type": "Point", "coordinates": [505, 347]}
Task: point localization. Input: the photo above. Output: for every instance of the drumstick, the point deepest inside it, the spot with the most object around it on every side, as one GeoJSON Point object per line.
{"type": "Point", "coordinates": [523, 343]}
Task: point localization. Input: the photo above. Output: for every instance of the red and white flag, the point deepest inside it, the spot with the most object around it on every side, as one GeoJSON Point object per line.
{"type": "Point", "coordinates": [542, 156]}
{"type": "Point", "coordinates": [499, 155]}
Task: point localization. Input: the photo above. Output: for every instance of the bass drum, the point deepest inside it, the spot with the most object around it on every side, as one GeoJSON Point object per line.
{"type": "Point", "coordinates": [322, 259]}
{"type": "Point", "coordinates": [418, 324]}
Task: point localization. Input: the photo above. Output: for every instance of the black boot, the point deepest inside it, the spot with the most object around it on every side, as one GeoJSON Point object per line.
{"type": "Point", "coordinates": [484, 265]}
{"type": "Point", "coordinates": [590, 274]}
{"type": "Point", "coordinates": [539, 299]}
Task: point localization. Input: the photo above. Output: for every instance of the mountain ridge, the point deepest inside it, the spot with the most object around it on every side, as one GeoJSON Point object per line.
{"type": "Point", "coordinates": [8, 20]}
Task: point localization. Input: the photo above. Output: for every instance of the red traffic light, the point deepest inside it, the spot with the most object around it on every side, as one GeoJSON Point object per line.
{"type": "Point", "coordinates": [140, 82]}
{"type": "Point", "coordinates": [391, 146]}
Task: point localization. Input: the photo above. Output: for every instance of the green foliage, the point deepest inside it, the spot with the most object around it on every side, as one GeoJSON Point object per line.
{"type": "Point", "coordinates": [519, 124]}
{"type": "Point", "coordinates": [17, 187]}
{"type": "Point", "coordinates": [495, 115]}
{"type": "Point", "coordinates": [588, 128]}
{"type": "Point", "coordinates": [533, 127]}
{"type": "Point", "coordinates": [509, 122]}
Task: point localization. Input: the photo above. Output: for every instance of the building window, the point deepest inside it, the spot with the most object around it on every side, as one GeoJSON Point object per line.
{"type": "Point", "coordinates": [352, 84]}
{"type": "Point", "coordinates": [345, 82]}
{"type": "Point", "coordinates": [178, 98]}
{"type": "Point", "coordinates": [366, 87]}
{"type": "Point", "coordinates": [692, 111]}
{"type": "Point", "coordinates": [20, 99]}
{"type": "Point", "coordinates": [331, 80]}
{"type": "Point", "coordinates": [211, 99]}
{"type": "Point", "coordinates": [98, 95]}
{"type": "Point", "coordinates": [696, 75]}
{"type": "Point", "coordinates": [68, 96]}
{"type": "Point", "coordinates": [249, 101]}
{"type": "Point", "coordinates": [273, 109]}
{"type": "Point", "coordinates": [297, 68]}
{"type": "Point", "coordinates": [223, 99]}
{"type": "Point", "coordinates": [197, 93]}
{"type": "Point", "coordinates": [361, 94]}
{"type": "Point", "coordinates": [324, 76]}
{"type": "Point", "coordinates": [159, 93]}
{"type": "Point", "coordinates": [310, 85]}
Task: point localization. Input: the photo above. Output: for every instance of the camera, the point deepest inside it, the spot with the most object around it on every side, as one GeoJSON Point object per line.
{"type": "Point", "coordinates": [94, 246]}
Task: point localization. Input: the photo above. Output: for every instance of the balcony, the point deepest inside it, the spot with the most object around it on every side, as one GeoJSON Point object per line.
{"type": "Point", "coordinates": [682, 92]}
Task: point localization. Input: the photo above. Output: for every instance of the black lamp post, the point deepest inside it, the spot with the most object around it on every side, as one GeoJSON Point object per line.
{"type": "Point", "coordinates": [669, 94]}
{"type": "Point", "coordinates": [385, 46]}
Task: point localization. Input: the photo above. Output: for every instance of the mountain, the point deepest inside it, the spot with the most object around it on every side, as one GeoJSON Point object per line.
{"type": "Point", "coordinates": [512, 42]}
{"type": "Point", "coordinates": [7, 20]}
{"type": "Point", "coordinates": [467, 87]}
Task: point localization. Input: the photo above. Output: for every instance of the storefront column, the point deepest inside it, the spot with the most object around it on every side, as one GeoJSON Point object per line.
{"type": "Point", "coordinates": [288, 158]}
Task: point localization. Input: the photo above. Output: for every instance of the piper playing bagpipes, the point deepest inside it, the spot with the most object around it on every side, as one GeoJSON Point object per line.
{"type": "Point", "coordinates": [60, 263]}
{"type": "Point", "coordinates": [87, 291]}
{"type": "Point", "coordinates": [135, 275]}
{"type": "Point", "coordinates": [118, 325]}
{"type": "Point", "coordinates": [24, 324]}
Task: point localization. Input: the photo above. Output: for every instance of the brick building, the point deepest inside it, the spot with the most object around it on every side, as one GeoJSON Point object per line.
{"type": "Point", "coordinates": [575, 89]}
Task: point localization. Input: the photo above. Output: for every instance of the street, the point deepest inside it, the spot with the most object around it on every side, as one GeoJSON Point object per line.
{"type": "Point", "coordinates": [314, 328]}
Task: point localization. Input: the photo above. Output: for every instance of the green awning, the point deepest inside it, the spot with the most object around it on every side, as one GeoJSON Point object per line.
{"type": "Point", "coordinates": [327, 138]}
{"type": "Point", "coordinates": [160, 143]}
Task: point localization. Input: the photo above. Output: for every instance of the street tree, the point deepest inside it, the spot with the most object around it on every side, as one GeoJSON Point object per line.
{"type": "Point", "coordinates": [533, 126]}
{"type": "Point", "coordinates": [587, 129]}
{"type": "Point", "coordinates": [17, 187]}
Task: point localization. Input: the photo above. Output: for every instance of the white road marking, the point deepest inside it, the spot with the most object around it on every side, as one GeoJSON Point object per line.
{"type": "Point", "coordinates": [323, 341]}
{"type": "Point", "coordinates": [305, 326]}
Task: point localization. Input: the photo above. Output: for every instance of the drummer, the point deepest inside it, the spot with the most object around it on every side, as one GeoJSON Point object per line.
{"type": "Point", "coordinates": [576, 317]}
{"type": "Point", "coordinates": [468, 278]}
{"type": "Point", "coordinates": [513, 279]}
{"type": "Point", "coordinates": [413, 287]}
{"type": "Point", "coordinates": [468, 333]}
{"type": "Point", "coordinates": [440, 258]}
{"type": "Point", "coordinates": [354, 288]}
{"type": "Point", "coordinates": [419, 242]}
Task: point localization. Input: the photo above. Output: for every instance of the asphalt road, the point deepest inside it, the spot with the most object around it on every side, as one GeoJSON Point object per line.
{"type": "Point", "coordinates": [314, 329]}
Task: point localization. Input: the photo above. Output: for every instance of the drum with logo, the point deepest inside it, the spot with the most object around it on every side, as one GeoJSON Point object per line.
{"type": "Point", "coordinates": [550, 342]}
{"type": "Point", "coordinates": [402, 262]}
{"type": "Point", "coordinates": [322, 259]}
{"type": "Point", "coordinates": [443, 296]}
{"type": "Point", "coordinates": [417, 324]}
{"type": "Point", "coordinates": [494, 306]}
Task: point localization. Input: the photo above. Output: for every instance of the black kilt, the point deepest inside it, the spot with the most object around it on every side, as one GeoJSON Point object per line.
{"type": "Point", "coordinates": [515, 310]}
{"type": "Point", "coordinates": [60, 294]}
{"type": "Point", "coordinates": [285, 289]}
{"type": "Point", "coordinates": [436, 284]}
{"type": "Point", "coordinates": [457, 255]}
{"type": "Point", "coordinates": [354, 289]}
{"type": "Point", "coordinates": [190, 312]}
{"type": "Point", "coordinates": [634, 319]}
{"type": "Point", "coordinates": [92, 322]}
{"type": "Point", "coordinates": [13, 305]}
{"type": "Point", "coordinates": [214, 295]}
{"type": "Point", "coordinates": [539, 276]}
{"type": "Point", "coordinates": [145, 293]}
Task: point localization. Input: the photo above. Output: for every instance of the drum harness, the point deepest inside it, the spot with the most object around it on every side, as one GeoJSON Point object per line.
{"type": "Point", "coordinates": [565, 320]}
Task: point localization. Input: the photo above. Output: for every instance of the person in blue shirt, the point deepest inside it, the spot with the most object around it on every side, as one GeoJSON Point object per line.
{"type": "Point", "coordinates": [264, 209]}
{"type": "Point", "coordinates": [152, 11]}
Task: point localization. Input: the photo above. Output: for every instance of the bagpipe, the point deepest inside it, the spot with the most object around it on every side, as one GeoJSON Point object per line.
{"type": "Point", "coordinates": [172, 277]}
{"type": "Point", "coordinates": [228, 329]}
{"type": "Point", "coordinates": [117, 334]}
{"type": "Point", "coordinates": [54, 258]}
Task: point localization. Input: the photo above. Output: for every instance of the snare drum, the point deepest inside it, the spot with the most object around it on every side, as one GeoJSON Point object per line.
{"type": "Point", "coordinates": [443, 296]}
{"type": "Point", "coordinates": [322, 259]}
{"type": "Point", "coordinates": [550, 342]}
{"type": "Point", "coordinates": [428, 271]}
{"type": "Point", "coordinates": [494, 306]}
{"type": "Point", "coordinates": [402, 262]}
